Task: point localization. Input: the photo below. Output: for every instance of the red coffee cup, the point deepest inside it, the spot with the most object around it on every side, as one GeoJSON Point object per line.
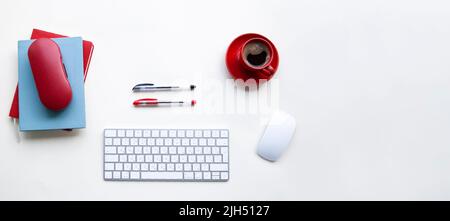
{"type": "Point", "coordinates": [252, 56]}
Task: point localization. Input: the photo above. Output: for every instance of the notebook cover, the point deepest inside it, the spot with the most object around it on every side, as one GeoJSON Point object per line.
{"type": "Point", "coordinates": [88, 48]}
{"type": "Point", "coordinates": [33, 114]}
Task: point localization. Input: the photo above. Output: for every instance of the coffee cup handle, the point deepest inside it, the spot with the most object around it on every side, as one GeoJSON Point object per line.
{"type": "Point", "coordinates": [268, 71]}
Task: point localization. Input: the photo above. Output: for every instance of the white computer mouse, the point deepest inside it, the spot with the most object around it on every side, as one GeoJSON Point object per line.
{"type": "Point", "coordinates": [277, 136]}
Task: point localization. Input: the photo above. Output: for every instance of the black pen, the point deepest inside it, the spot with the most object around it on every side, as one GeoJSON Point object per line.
{"type": "Point", "coordinates": [151, 87]}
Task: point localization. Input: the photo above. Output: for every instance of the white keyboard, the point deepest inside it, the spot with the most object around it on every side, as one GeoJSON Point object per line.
{"type": "Point", "coordinates": [166, 154]}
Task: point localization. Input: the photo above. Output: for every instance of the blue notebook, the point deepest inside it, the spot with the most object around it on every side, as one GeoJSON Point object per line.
{"type": "Point", "coordinates": [33, 114]}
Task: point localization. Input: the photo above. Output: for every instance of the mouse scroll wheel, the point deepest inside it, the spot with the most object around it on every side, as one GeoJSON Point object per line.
{"type": "Point", "coordinates": [65, 70]}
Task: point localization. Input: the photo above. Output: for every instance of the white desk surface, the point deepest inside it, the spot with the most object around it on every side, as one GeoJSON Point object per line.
{"type": "Point", "coordinates": [367, 81]}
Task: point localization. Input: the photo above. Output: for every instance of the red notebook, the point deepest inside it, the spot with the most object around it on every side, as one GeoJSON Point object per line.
{"type": "Point", "coordinates": [88, 48]}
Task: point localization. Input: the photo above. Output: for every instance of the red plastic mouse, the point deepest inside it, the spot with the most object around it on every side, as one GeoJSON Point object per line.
{"type": "Point", "coordinates": [49, 74]}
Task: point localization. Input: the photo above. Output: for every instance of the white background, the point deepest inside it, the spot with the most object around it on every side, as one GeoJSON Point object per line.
{"type": "Point", "coordinates": [367, 81]}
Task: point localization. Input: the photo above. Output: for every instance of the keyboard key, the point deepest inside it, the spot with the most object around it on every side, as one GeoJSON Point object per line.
{"type": "Point", "coordinates": [144, 166]}
{"type": "Point", "coordinates": [151, 141]}
{"type": "Point", "coordinates": [181, 150]}
{"type": "Point", "coordinates": [110, 149]}
{"type": "Point", "coordinates": [209, 158]}
{"type": "Point", "coordinates": [205, 167]}
{"type": "Point", "coordinates": [125, 175]}
{"type": "Point", "coordinates": [211, 142]}
{"type": "Point", "coordinates": [164, 150]}
{"type": "Point", "coordinates": [127, 166]}
{"type": "Point", "coordinates": [138, 133]}
{"type": "Point", "coordinates": [166, 158]}
{"type": "Point", "coordinates": [172, 133]}
{"type": "Point", "coordinates": [217, 158]}
{"type": "Point", "coordinates": [198, 150]}
{"type": "Point", "coordinates": [161, 167]}
{"type": "Point", "coordinates": [215, 133]}
{"type": "Point", "coordinates": [206, 133]}
{"type": "Point", "coordinates": [123, 158]}
{"type": "Point", "coordinates": [223, 150]}
{"type": "Point", "coordinates": [129, 133]}
{"type": "Point", "coordinates": [196, 167]}
{"type": "Point", "coordinates": [198, 175]}
{"type": "Point", "coordinates": [218, 167]}
{"type": "Point", "coordinates": [155, 133]}
{"type": "Point", "coordinates": [155, 150]}
{"type": "Point", "coordinates": [174, 158]}
{"type": "Point", "coordinates": [140, 158]}
{"type": "Point", "coordinates": [135, 175]}
{"type": "Point", "coordinates": [181, 133]}
{"type": "Point", "coordinates": [178, 167]}
{"type": "Point", "coordinates": [207, 150]}
{"type": "Point", "coordinates": [194, 142]}
{"type": "Point", "coordinates": [176, 142]}
{"type": "Point", "coordinates": [202, 142]}
{"type": "Point", "coordinates": [157, 158]}
{"type": "Point", "coordinates": [168, 142]}
{"type": "Point", "coordinates": [136, 166]}
{"type": "Point", "coordinates": [130, 150]}
{"type": "Point", "coordinates": [222, 142]}
{"type": "Point", "coordinates": [138, 150]}
{"type": "Point", "coordinates": [170, 167]}
{"type": "Point", "coordinates": [125, 141]}
{"type": "Point", "coordinates": [215, 150]}
{"type": "Point", "coordinates": [225, 157]}
{"type": "Point", "coordinates": [187, 167]}
{"type": "Point", "coordinates": [121, 133]}
{"type": "Point", "coordinates": [108, 141]}
{"type": "Point", "coordinates": [185, 142]}
{"type": "Point", "coordinates": [173, 150]}
{"type": "Point", "coordinates": [153, 166]}
{"type": "Point", "coordinates": [162, 175]}
{"type": "Point", "coordinates": [147, 150]}
{"type": "Point", "coordinates": [191, 158]}
{"type": "Point", "coordinates": [148, 158]}
{"type": "Point", "coordinates": [189, 133]}
{"type": "Point", "coordinates": [131, 158]}
{"type": "Point", "coordinates": [183, 158]}
{"type": "Point", "coordinates": [142, 141]}
{"type": "Point", "coordinates": [134, 142]}
{"type": "Point", "coordinates": [111, 158]}
{"type": "Point", "coordinates": [206, 175]}
{"type": "Point", "coordinates": [119, 166]}
{"type": "Point", "coordinates": [109, 166]}
{"type": "Point", "coordinates": [188, 175]}
{"type": "Point", "coordinates": [189, 150]}
{"type": "Point", "coordinates": [163, 133]}
{"type": "Point", "coordinates": [147, 133]}
{"type": "Point", "coordinates": [198, 133]}
{"type": "Point", "coordinates": [116, 175]}
{"type": "Point", "coordinates": [116, 141]}
{"type": "Point", "coordinates": [108, 175]}
{"type": "Point", "coordinates": [159, 141]}
{"type": "Point", "coordinates": [120, 149]}
{"type": "Point", "coordinates": [110, 133]}
{"type": "Point", "coordinates": [224, 175]}
{"type": "Point", "coordinates": [201, 158]}
{"type": "Point", "coordinates": [224, 133]}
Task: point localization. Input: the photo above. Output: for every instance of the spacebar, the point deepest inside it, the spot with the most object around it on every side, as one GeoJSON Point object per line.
{"type": "Point", "coordinates": [162, 175]}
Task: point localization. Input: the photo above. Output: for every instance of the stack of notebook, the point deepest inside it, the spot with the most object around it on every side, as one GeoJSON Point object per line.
{"type": "Point", "coordinates": [76, 55]}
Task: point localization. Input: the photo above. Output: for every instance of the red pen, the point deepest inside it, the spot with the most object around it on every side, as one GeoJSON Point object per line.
{"type": "Point", "coordinates": [152, 102]}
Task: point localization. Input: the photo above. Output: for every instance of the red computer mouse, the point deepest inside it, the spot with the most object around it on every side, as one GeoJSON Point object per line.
{"type": "Point", "coordinates": [49, 74]}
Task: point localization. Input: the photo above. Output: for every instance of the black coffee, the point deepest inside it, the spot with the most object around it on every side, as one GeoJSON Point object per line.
{"type": "Point", "coordinates": [257, 59]}
{"type": "Point", "coordinates": [256, 54]}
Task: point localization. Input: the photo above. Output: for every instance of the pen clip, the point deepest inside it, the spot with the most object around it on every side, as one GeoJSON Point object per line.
{"type": "Point", "coordinates": [145, 101]}
{"type": "Point", "coordinates": [142, 86]}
